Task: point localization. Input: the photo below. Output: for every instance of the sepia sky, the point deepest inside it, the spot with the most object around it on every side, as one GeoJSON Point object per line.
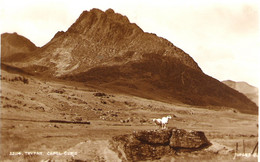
{"type": "Point", "coordinates": [222, 37]}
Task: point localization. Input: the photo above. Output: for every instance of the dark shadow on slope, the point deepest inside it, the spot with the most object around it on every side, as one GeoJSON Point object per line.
{"type": "Point", "coordinates": [166, 78]}
{"type": "Point", "coordinates": [12, 69]}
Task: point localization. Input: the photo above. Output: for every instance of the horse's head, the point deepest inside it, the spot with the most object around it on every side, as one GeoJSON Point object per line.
{"type": "Point", "coordinates": [169, 116]}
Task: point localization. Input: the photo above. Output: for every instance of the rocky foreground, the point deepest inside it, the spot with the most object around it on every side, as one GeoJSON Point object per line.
{"type": "Point", "coordinates": [142, 145]}
{"type": "Point", "coordinates": [29, 104]}
{"type": "Point", "coordinates": [154, 144]}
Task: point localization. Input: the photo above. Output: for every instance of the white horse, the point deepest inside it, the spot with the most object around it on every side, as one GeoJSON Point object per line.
{"type": "Point", "coordinates": [162, 122]}
{"type": "Point", "coordinates": [165, 121]}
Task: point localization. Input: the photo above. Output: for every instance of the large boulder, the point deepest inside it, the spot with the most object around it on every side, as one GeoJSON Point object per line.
{"type": "Point", "coordinates": [188, 140]}
{"type": "Point", "coordinates": [130, 148]}
{"type": "Point", "coordinates": [161, 136]}
{"type": "Point", "coordinates": [155, 144]}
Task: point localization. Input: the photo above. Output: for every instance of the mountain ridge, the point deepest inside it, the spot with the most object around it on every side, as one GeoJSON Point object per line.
{"type": "Point", "coordinates": [14, 46]}
{"type": "Point", "coordinates": [243, 87]}
{"type": "Point", "coordinates": [97, 28]}
{"type": "Point", "coordinates": [106, 50]}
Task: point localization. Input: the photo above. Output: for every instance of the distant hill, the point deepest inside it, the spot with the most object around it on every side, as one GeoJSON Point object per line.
{"type": "Point", "coordinates": [14, 46]}
{"type": "Point", "coordinates": [104, 49]}
{"type": "Point", "coordinates": [250, 91]}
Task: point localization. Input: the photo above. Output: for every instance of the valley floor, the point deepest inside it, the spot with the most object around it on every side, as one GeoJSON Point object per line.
{"type": "Point", "coordinates": [29, 106]}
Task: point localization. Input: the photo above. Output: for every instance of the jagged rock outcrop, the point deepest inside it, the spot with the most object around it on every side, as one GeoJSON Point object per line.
{"type": "Point", "coordinates": [154, 144]}
{"type": "Point", "coordinates": [15, 47]}
{"type": "Point", "coordinates": [100, 38]}
{"type": "Point", "coordinates": [104, 49]}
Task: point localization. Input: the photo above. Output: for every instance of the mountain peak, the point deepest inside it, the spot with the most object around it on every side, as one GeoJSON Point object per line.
{"type": "Point", "coordinates": [97, 18]}
{"type": "Point", "coordinates": [14, 45]}
{"type": "Point", "coordinates": [105, 38]}
{"type": "Point", "coordinates": [243, 87]}
{"type": "Point", "coordinates": [110, 11]}
{"type": "Point", "coordinates": [106, 50]}
{"type": "Point", "coordinates": [18, 40]}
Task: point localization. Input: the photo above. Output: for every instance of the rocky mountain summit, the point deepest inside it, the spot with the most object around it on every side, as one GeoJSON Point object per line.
{"type": "Point", "coordinates": [104, 49]}
{"type": "Point", "coordinates": [100, 38]}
